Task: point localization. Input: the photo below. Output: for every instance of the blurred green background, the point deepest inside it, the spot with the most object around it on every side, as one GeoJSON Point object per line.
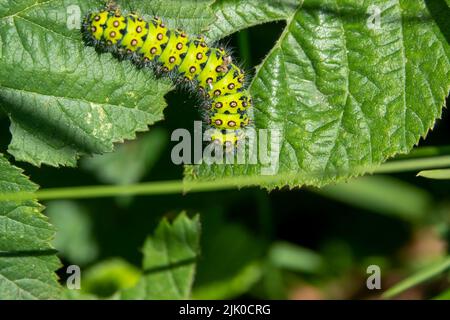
{"type": "Point", "coordinates": [299, 244]}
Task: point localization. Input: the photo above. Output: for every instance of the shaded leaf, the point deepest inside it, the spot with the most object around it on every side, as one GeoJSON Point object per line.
{"type": "Point", "coordinates": [295, 258]}
{"type": "Point", "coordinates": [130, 161]}
{"type": "Point", "coordinates": [169, 261]}
{"type": "Point", "coordinates": [106, 278]}
{"type": "Point", "coordinates": [74, 239]}
{"type": "Point", "coordinates": [237, 245]}
{"type": "Point", "coordinates": [235, 286]}
{"type": "Point", "coordinates": [443, 295]}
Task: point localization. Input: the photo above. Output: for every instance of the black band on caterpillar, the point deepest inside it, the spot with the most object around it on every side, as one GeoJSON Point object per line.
{"type": "Point", "coordinates": [184, 58]}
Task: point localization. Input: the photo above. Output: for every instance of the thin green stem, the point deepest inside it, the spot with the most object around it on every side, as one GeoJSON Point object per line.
{"type": "Point", "coordinates": [149, 188]}
{"type": "Point", "coordinates": [180, 186]}
{"type": "Point", "coordinates": [418, 278]}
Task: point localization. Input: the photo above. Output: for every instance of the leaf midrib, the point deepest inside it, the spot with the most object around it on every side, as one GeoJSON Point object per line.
{"type": "Point", "coordinates": [285, 33]}
{"type": "Point", "coordinates": [278, 46]}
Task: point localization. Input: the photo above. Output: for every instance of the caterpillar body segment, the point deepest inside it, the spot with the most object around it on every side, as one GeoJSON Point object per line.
{"type": "Point", "coordinates": [210, 70]}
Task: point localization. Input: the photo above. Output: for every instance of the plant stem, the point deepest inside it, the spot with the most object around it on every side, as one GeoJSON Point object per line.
{"type": "Point", "coordinates": [180, 186]}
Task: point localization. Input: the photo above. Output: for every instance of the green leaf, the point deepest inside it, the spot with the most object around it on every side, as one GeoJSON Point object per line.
{"type": "Point", "coordinates": [74, 239]}
{"type": "Point", "coordinates": [443, 295]}
{"type": "Point", "coordinates": [443, 174]}
{"type": "Point", "coordinates": [130, 161]}
{"type": "Point", "coordinates": [106, 278]}
{"type": "Point", "coordinates": [345, 95]}
{"type": "Point", "coordinates": [230, 288]}
{"type": "Point", "coordinates": [27, 260]}
{"type": "Point", "coordinates": [234, 15]}
{"type": "Point", "coordinates": [169, 261]}
{"type": "Point", "coordinates": [295, 258]}
{"type": "Point", "coordinates": [237, 245]}
{"type": "Point", "coordinates": [193, 15]}
{"type": "Point", "coordinates": [63, 98]}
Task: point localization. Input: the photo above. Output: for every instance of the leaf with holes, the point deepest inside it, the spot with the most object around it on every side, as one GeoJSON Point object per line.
{"type": "Point", "coordinates": [27, 260]}
{"type": "Point", "coordinates": [348, 85]}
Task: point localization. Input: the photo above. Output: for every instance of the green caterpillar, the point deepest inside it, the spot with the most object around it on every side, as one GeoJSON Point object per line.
{"type": "Point", "coordinates": [186, 59]}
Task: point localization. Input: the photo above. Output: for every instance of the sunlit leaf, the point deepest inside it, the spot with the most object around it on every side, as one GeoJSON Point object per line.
{"type": "Point", "coordinates": [27, 260]}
